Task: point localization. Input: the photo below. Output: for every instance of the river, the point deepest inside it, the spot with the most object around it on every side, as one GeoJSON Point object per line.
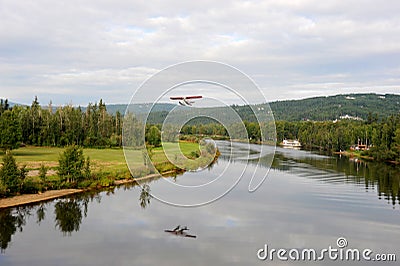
{"type": "Point", "coordinates": [307, 201]}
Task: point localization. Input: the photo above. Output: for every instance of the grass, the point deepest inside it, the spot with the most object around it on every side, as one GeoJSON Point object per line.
{"type": "Point", "coordinates": [107, 165]}
{"type": "Point", "coordinates": [51, 154]}
{"type": "Point", "coordinates": [106, 161]}
{"type": "Point", "coordinates": [185, 155]}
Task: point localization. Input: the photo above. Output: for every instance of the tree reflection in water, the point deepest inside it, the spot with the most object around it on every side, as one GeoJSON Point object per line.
{"type": "Point", "coordinates": [10, 221]}
{"type": "Point", "coordinates": [385, 177]}
{"type": "Point", "coordinates": [68, 212]}
{"type": "Point", "coordinates": [40, 213]}
{"type": "Point", "coordinates": [145, 196]}
{"type": "Point", "coordinates": [68, 216]}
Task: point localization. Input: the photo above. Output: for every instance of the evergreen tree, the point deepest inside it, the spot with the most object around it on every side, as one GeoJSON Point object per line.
{"type": "Point", "coordinates": [10, 130]}
{"type": "Point", "coordinates": [42, 173]}
{"type": "Point", "coordinates": [153, 136]}
{"type": "Point", "coordinates": [71, 164]}
{"type": "Point", "coordinates": [10, 174]}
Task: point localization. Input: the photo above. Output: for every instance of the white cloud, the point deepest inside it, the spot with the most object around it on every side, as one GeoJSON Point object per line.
{"type": "Point", "coordinates": [105, 46]}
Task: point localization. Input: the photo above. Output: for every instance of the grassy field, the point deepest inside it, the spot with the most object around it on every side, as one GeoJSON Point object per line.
{"type": "Point", "coordinates": [109, 161]}
{"type": "Point", "coordinates": [107, 165]}
{"type": "Point", "coordinates": [33, 157]}
{"type": "Point", "coordinates": [184, 155]}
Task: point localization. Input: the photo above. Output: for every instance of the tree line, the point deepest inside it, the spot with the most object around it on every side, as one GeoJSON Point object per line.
{"type": "Point", "coordinates": [60, 126]}
{"type": "Point", "coordinates": [383, 136]}
{"type": "Point", "coordinates": [95, 127]}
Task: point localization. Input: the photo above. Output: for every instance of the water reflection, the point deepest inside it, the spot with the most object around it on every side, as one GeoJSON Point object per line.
{"type": "Point", "coordinates": [11, 220]}
{"type": "Point", "coordinates": [70, 214]}
{"type": "Point", "coordinates": [145, 196]}
{"type": "Point", "coordinates": [40, 213]}
{"type": "Point", "coordinates": [372, 175]}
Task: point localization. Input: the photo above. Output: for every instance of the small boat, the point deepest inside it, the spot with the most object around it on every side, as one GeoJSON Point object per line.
{"type": "Point", "coordinates": [289, 143]}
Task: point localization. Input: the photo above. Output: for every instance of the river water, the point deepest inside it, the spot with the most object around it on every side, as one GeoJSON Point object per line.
{"type": "Point", "coordinates": [308, 201]}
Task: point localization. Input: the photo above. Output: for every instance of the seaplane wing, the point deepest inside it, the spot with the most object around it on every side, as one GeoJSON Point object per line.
{"type": "Point", "coordinates": [185, 101]}
{"type": "Point", "coordinates": [194, 97]}
{"type": "Point", "coordinates": [177, 98]}
{"type": "Point", "coordinates": [180, 231]}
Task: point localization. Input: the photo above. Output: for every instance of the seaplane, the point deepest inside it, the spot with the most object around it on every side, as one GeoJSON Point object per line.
{"type": "Point", "coordinates": [180, 231]}
{"type": "Point", "coordinates": [186, 100]}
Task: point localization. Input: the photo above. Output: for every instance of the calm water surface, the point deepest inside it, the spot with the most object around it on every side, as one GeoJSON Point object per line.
{"type": "Point", "coordinates": [307, 201]}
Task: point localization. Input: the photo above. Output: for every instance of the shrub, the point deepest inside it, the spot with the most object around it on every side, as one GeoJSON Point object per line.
{"type": "Point", "coordinates": [72, 165]}
{"type": "Point", "coordinates": [42, 173]}
{"type": "Point", "coordinates": [31, 187]}
{"type": "Point", "coordinates": [153, 136]}
{"type": "Point", "coordinates": [11, 177]}
{"type": "Point", "coordinates": [3, 189]}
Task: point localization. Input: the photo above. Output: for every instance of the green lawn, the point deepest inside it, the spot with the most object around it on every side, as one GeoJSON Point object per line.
{"type": "Point", "coordinates": [49, 154]}
{"type": "Point", "coordinates": [107, 165]}
{"type": "Point", "coordinates": [33, 157]}
{"type": "Point", "coordinates": [185, 155]}
{"type": "Point", "coordinates": [101, 159]}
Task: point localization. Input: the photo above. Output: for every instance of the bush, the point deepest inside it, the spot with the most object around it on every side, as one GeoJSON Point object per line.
{"type": "Point", "coordinates": [139, 172]}
{"type": "Point", "coordinates": [194, 154]}
{"type": "Point", "coordinates": [3, 189]}
{"type": "Point", "coordinates": [85, 184]}
{"type": "Point", "coordinates": [11, 177]}
{"type": "Point", "coordinates": [106, 182]}
{"type": "Point", "coordinates": [153, 136]}
{"type": "Point", "coordinates": [72, 165]}
{"type": "Point", "coordinates": [31, 187]}
{"type": "Point", "coordinates": [42, 173]}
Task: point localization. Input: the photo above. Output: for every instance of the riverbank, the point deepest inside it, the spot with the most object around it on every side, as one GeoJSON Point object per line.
{"type": "Point", "coordinates": [33, 198]}
{"type": "Point", "coordinates": [358, 155]}
{"type": "Point", "coordinates": [109, 169]}
{"type": "Point", "coordinates": [25, 199]}
{"type": "Point", "coordinates": [354, 154]}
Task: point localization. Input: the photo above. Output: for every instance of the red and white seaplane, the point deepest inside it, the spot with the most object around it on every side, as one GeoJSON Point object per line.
{"type": "Point", "coordinates": [185, 101]}
{"type": "Point", "coordinates": [180, 231]}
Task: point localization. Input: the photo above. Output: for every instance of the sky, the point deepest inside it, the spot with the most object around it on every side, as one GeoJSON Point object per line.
{"type": "Point", "coordinates": [76, 52]}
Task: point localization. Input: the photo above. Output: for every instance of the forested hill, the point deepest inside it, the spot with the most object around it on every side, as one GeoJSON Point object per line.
{"type": "Point", "coordinates": [332, 107]}
{"type": "Point", "coordinates": [315, 109]}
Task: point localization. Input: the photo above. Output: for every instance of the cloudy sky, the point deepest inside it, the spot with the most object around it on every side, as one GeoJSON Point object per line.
{"type": "Point", "coordinates": [80, 51]}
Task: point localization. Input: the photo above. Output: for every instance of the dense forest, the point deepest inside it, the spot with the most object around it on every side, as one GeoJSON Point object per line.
{"type": "Point", "coordinates": [93, 126]}
{"type": "Point", "coordinates": [35, 125]}
{"type": "Point", "coordinates": [332, 107]}
{"type": "Point", "coordinates": [383, 136]}
{"type": "Point", "coordinates": [315, 109]}
{"type": "Point", "coordinates": [352, 106]}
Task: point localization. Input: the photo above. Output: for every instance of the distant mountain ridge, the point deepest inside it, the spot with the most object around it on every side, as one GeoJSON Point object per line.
{"type": "Point", "coordinates": [317, 108]}
{"type": "Point", "coordinates": [333, 107]}
{"type": "Point", "coordinates": [323, 108]}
